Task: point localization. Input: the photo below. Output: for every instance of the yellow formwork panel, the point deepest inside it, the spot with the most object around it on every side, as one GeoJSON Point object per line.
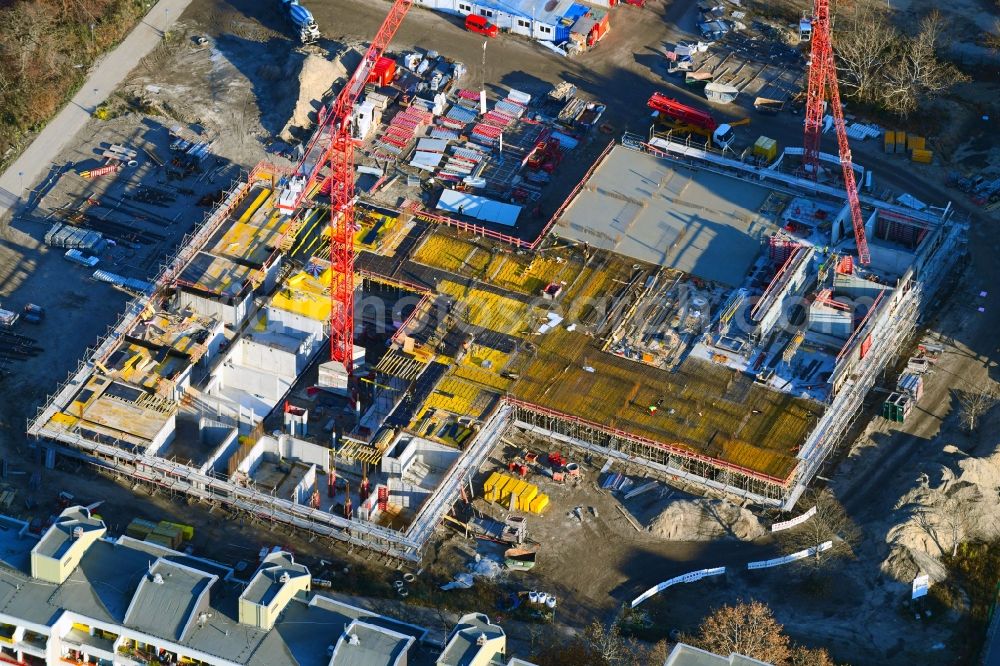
{"type": "Point", "coordinates": [451, 254]}
{"type": "Point", "coordinates": [486, 357]}
{"type": "Point", "coordinates": [63, 419]}
{"type": "Point", "coordinates": [486, 378]}
{"type": "Point", "coordinates": [257, 203]}
{"type": "Point", "coordinates": [526, 497]}
{"type": "Point", "coordinates": [488, 310]}
{"type": "Point", "coordinates": [491, 482]}
{"type": "Point", "coordinates": [454, 395]}
{"type": "Point", "coordinates": [539, 503]}
{"type": "Point", "coordinates": [504, 486]}
{"type": "Point", "coordinates": [305, 295]}
{"type": "Point", "coordinates": [518, 488]}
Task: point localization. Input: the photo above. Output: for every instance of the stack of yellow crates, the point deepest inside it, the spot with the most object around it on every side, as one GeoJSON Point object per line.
{"type": "Point", "coordinates": [501, 487]}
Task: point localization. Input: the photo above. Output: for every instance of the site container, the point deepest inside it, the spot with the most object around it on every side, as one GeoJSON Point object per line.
{"type": "Point", "coordinates": [187, 531]}
{"type": "Point", "coordinates": [526, 496]}
{"type": "Point", "coordinates": [923, 156]}
{"type": "Point", "coordinates": [139, 528]}
{"type": "Point", "coordinates": [766, 149]}
{"type": "Point", "coordinates": [383, 72]}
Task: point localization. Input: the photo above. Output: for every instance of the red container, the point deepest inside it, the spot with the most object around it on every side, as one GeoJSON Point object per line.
{"type": "Point", "coordinates": [384, 72]}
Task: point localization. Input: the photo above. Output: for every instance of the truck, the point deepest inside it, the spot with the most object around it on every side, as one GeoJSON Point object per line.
{"type": "Point", "coordinates": [767, 106]}
{"type": "Point", "coordinates": [302, 19]}
{"type": "Point", "coordinates": [676, 116]}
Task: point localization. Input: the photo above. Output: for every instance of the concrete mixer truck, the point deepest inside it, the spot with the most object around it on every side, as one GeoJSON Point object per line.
{"type": "Point", "coordinates": [302, 19]}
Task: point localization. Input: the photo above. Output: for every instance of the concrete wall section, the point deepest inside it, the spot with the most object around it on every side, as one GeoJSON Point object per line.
{"type": "Point", "coordinates": [407, 495]}
{"type": "Point", "coordinates": [228, 438]}
{"type": "Point", "coordinates": [890, 259]}
{"type": "Point", "coordinates": [268, 358]}
{"type": "Point", "coordinates": [253, 459]}
{"type": "Point", "coordinates": [164, 436]}
{"type": "Point", "coordinates": [287, 322]}
{"type": "Point", "coordinates": [232, 314]}
{"type": "Point", "coordinates": [302, 451]}
{"type": "Point", "coordinates": [304, 489]}
{"type": "Point", "coordinates": [268, 387]}
{"type": "Point", "coordinates": [408, 450]}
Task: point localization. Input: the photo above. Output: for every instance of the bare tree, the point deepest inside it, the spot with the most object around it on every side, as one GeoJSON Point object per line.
{"type": "Point", "coordinates": [748, 629]}
{"type": "Point", "coordinates": [600, 645]}
{"type": "Point", "coordinates": [831, 523]}
{"type": "Point", "coordinates": [607, 643]}
{"type": "Point", "coordinates": [864, 41]}
{"type": "Point", "coordinates": [975, 403]}
{"type": "Point", "coordinates": [915, 73]}
{"type": "Point", "coordinates": [949, 522]}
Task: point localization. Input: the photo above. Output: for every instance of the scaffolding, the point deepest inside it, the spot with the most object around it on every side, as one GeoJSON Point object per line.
{"type": "Point", "coordinates": [672, 462]}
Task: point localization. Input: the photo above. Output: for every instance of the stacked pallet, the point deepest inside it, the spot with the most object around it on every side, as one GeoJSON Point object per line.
{"type": "Point", "coordinates": [516, 493]}
{"type": "Point", "coordinates": [163, 533]}
{"type": "Point", "coordinates": [401, 131]}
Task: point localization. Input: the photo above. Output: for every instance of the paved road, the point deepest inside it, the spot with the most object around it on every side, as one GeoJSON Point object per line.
{"type": "Point", "coordinates": [104, 77]}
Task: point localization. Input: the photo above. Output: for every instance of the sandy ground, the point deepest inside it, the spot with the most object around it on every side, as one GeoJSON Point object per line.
{"type": "Point", "coordinates": [596, 564]}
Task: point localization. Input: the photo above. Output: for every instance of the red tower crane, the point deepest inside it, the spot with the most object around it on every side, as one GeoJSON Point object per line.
{"type": "Point", "coordinates": [823, 85]}
{"type": "Point", "coordinates": [336, 128]}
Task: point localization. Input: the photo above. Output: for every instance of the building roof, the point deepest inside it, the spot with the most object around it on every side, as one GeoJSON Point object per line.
{"type": "Point", "coordinates": [686, 655]}
{"type": "Point", "coordinates": [697, 221]}
{"type": "Point", "coordinates": [463, 645]}
{"type": "Point", "coordinates": [167, 599]}
{"type": "Point", "coordinates": [543, 11]}
{"type": "Point", "coordinates": [363, 644]}
{"type": "Point", "coordinates": [195, 608]}
{"type": "Point", "coordinates": [267, 581]}
{"type": "Point", "coordinates": [60, 536]}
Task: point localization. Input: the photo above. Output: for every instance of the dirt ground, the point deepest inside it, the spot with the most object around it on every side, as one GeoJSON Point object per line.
{"type": "Point", "coordinates": [595, 564]}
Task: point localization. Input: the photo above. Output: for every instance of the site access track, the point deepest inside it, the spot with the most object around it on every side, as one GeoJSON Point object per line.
{"type": "Point", "coordinates": [104, 77]}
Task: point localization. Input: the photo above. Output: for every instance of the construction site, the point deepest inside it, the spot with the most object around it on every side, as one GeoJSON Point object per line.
{"type": "Point", "coordinates": [485, 306]}
{"type": "Point", "coordinates": [352, 368]}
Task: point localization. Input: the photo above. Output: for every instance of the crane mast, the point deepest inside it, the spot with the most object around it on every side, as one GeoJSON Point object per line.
{"type": "Point", "coordinates": [823, 85]}
{"type": "Point", "coordinates": [336, 127]}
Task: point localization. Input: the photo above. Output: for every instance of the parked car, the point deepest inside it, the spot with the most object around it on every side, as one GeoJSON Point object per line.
{"type": "Point", "coordinates": [480, 26]}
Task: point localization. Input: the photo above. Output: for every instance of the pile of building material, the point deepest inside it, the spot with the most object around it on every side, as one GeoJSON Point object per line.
{"type": "Point", "coordinates": [130, 284]}
{"type": "Point", "coordinates": [463, 163]}
{"type": "Point", "coordinates": [517, 493]}
{"type": "Point", "coordinates": [163, 533]}
{"type": "Point", "coordinates": [67, 236]}
{"type": "Point", "coordinates": [953, 503]}
{"type": "Point", "coordinates": [705, 520]}
{"type": "Point", "coordinates": [403, 128]}
{"type": "Point", "coordinates": [318, 73]}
